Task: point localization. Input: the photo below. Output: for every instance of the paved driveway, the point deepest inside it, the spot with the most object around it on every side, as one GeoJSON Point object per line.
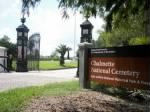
{"type": "Point", "coordinates": [14, 80]}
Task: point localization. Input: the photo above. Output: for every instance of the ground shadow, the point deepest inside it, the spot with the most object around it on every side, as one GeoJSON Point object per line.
{"type": "Point", "coordinates": [136, 96]}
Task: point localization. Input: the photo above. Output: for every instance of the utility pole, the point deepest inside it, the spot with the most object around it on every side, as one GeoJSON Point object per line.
{"type": "Point", "coordinates": [74, 34]}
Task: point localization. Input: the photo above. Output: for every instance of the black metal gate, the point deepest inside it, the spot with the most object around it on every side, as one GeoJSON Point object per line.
{"type": "Point", "coordinates": [34, 51]}
{"type": "Point", "coordinates": [3, 64]}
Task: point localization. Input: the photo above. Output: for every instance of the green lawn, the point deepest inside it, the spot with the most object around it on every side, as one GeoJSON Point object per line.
{"type": "Point", "coordinates": [47, 65]}
{"type": "Point", "coordinates": [13, 100]}
{"type": "Point", "coordinates": [52, 65]}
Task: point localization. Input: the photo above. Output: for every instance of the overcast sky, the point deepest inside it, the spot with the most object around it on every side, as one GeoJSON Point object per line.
{"type": "Point", "coordinates": [46, 19]}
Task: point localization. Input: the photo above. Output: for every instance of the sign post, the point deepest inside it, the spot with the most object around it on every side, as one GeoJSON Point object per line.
{"type": "Point", "coordinates": [83, 65]}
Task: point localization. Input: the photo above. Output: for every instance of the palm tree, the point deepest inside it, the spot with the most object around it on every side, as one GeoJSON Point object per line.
{"type": "Point", "coordinates": [68, 50]}
{"type": "Point", "coordinates": [62, 51]}
{"type": "Point", "coordinates": [26, 4]}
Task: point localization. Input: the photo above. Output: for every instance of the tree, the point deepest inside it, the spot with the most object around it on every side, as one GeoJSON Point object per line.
{"type": "Point", "coordinates": [5, 38]}
{"type": "Point", "coordinates": [139, 41]}
{"type": "Point", "coordinates": [5, 42]}
{"type": "Point", "coordinates": [104, 8]}
{"type": "Point", "coordinates": [123, 31]}
{"type": "Point", "coordinates": [54, 56]}
{"type": "Point", "coordinates": [62, 51]}
{"type": "Point", "coordinates": [11, 50]}
{"type": "Point", "coordinates": [26, 4]}
{"type": "Point", "coordinates": [68, 50]}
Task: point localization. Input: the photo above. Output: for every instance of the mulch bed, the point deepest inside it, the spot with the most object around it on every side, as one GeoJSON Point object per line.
{"type": "Point", "coordinates": [85, 101]}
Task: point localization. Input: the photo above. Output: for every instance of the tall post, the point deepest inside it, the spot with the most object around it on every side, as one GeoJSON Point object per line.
{"type": "Point", "coordinates": [86, 31]}
{"type": "Point", "coordinates": [22, 39]}
{"type": "Point", "coordinates": [147, 23]}
{"type": "Point", "coordinates": [86, 36]}
{"type": "Point", "coordinates": [86, 42]}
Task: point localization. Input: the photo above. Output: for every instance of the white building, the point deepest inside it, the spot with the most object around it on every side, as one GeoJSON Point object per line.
{"type": "Point", "coordinates": [3, 59]}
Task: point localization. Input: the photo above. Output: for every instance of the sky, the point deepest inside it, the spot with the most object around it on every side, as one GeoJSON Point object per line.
{"type": "Point", "coordinates": [47, 20]}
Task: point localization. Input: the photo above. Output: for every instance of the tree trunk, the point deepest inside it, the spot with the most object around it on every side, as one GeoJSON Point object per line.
{"type": "Point", "coordinates": [62, 60]}
{"type": "Point", "coordinates": [147, 23]}
{"type": "Point", "coordinates": [68, 57]}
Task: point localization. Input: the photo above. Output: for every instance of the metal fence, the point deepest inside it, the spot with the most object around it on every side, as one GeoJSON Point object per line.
{"type": "Point", "coordinates": [3, 64]}
{"type": "Point", "coordinates": [34, 52]}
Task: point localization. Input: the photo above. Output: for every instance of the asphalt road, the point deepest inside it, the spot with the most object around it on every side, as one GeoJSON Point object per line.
{"type": "Point", "coordinates": [33, 78]}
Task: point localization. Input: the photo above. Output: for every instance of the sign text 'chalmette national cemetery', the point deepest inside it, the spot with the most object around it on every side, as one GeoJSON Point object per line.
{"type": "Point", "coordinates": [127, 66]}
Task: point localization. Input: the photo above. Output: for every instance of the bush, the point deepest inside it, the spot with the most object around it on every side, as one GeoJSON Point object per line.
{"type": "Point", "coordinates": [139, 41]}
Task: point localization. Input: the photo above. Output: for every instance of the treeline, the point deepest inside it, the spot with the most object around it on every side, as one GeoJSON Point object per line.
{"type": "Point", "coordinates": [127, 31]}
{"type": "Point", "coordinates": [11, 47]}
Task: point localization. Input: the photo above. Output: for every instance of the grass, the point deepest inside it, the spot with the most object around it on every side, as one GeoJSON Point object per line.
{"type": "Point", "coordinates": [52, 65]}
{"type": "Point", "coordinates": [13, 100]}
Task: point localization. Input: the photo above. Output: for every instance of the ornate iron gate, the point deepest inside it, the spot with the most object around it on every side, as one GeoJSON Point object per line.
{"type": "Point", "coordinates": [4, 60]}
{"type": "Point", "coordinates": [34, 51]}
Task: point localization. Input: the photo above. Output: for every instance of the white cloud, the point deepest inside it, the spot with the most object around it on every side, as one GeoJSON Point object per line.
{"type": "Point", "coordinates": [9, 8]}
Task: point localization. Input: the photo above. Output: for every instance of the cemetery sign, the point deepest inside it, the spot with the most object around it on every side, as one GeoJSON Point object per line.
{"type": "Point", "coordinates": [127, 66]}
